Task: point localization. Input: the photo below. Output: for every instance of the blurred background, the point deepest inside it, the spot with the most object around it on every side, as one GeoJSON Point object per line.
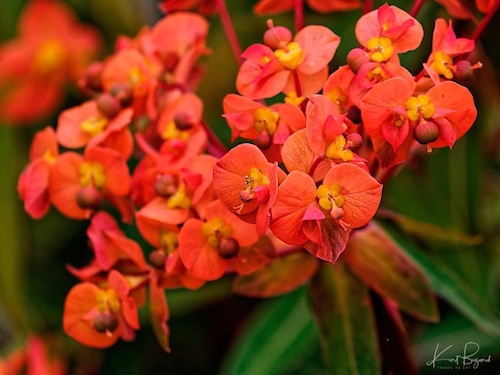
{"type": "Point", "coordinates": [214, 331]}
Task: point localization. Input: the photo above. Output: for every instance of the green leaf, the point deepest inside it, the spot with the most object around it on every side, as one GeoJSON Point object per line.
{"type": "Point", "coordinates": [431, 233]}
{"type": "Point", "coordinates": [345, 318]}
{"type": "Point", "coordinates": [450, 286]}
{"type": "Point", "coordinates": [278, 277]}
{"type": "Point", "coordinates": [383, 266]}
{"type": "Point", "coordinates": [278, 338]}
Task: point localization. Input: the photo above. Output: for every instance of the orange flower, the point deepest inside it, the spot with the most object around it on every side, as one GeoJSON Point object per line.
{"type": "Point", "coordinates": [51, 49]}
{"type": "Point", "coordinates": [98, 316]}
{"type": "Point", "coordinates": [33, 185]}
{"type": "Point", "coordinates": [322, 6]}
{"type": "Point", "coordinates": [209, 248]}
{"type": "Point", "coordinates": [247, 184]}
{"type": "Point", "coordinates": [318, 218]}
{"type": "Point", "coordinates": [299, 65]}
{"type": "Point", "coordinates": [79, 183]}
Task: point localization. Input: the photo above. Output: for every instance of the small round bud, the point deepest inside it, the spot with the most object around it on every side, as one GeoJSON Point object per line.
{"type": "Point", "coordinates": [463, 70]}
{"type": "Point", "coordinates": [165, 185]}
{"type": "Point", "coordinates": [228, 248]}
{"type": "Point", "coordinates": [245, 196]}
{"type": "Point", "coordinates": [123, 92]}
{"type": "Point", "coordinates": [356, 58]}
{"type": "Point", "coordinates": [89, 197]}
{"type": "Point", "coordinates": [336, 213]}
{"type": "Point", "coordinates": [426, 132]}
{"type": "Point", "coordinates": [105, 323]}
{"type": "Point", "coordinates": [277, 37]}
{"type": "Point", "coordinates": [108, 105]}
{"type": "Point", "coordinates": [93, 76]}
{"type": "Point", "coordinates": [354, 114]}
{"type": "Point", "coordinates": [183, 121]}
{"type": "Point", "coordinates": [264, 141]}
{"type": "Point", "coordinates": [354, 140]}
{"type": "Point", "coordinates": [157, 259]}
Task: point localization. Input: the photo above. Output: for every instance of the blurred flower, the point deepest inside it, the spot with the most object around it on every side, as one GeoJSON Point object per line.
{"type": "Point", "coordinates": [51, 48]}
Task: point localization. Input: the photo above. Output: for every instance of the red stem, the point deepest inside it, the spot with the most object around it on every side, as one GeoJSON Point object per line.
{"type": "Point", "coordinates": [215, 146]}
{"type": "Point", "coordinates": [416, 7]}
{"type": "Point", "coordinates": [299, 14]}
{"type": "Point", "coordinates": [485, 21]}
{"type": "Point", "coordinates": [227, 24]}
{"type": "Point", "coordinates": [368, 6]}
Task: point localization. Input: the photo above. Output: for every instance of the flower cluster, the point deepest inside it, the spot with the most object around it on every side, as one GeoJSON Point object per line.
{"type": "Point", "coordinates": [310, 174]}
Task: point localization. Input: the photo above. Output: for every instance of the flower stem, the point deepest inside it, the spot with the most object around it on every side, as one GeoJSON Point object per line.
{"type": "Point", "coordinates": [215, 147]}
{"type": "Point", "coordinates": [227, 24]}
{"type": "Point", "coordinates": [368, 6]}
{"type": "Point", "coordinates": [299, 14]}
{"type": "Point", "coordinates": [416, 7]}
{"type": "Point", "coordinates": [485, 21]}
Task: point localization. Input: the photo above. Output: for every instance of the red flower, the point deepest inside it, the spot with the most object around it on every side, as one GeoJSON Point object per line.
{"type": "Point", "coordinates": [98, 316]}
{"type": "Point", "coordinates": [322, 6]}
{"type": "Point", "coordinates": [298, 65]}
{"type": "Point", "coordinates": [33, 185]}
{"type": "Point", "coordinates": [319, 218]}
{"type": "Point", "coordinates": [51, 49]}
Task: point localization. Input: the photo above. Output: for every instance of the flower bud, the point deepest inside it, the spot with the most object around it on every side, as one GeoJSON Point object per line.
{"type": "Point", "coordinates": [105, 323]}
{"type": "Point", "coordinates": [336, 213]}
{"type": "Point", "coordinates": [89, 197]}
{"type": "Point", "coordinates": [264, 141]}
{"type": "Point", "coordinates": [277, 37]}
{"type": "Point", "coordinates": [354, 140]}
{"type": "Point", "coordinates": [123, 92]}
{"type": "Point", "coordinates": [157, 259]}
{"type": "Point", "coordinates": [245, 196]}
{"type": "Point", "coordinates": [228, 248]}
{"type": "Point", "coordinates": [108, 105]}
{"type": "Point", "coordinates": [426, 132]}
{"type": "Point", "coordinates": [356, 58]}
{"type": "Point", "coordinates": [93, 76]}
{"type": "Point", "coordinates": [165, 185]}
{"type": "Point", "coordinates": [463, 70]}
{"type": "Point", "coordinates": [183, 121]}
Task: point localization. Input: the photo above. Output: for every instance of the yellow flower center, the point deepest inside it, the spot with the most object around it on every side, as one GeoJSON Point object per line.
{"type": "Point", "coordinates": [255, 178]}
{"type": "Point", "coordinates": [93, 126]}
{"type": "Point", "coordinates": [377, 74]}
{"type": "Point", "coordinates": [292, 98]}
{"type": "Point", "coordinates": [215, 230]}
{"type": "Point", "coordinates": [49, 157]}
{"type": "Point", "coordinates": [290, 57]}
{"type": "Point", "coordinates": [380, 48]}
{"type": "Point", "coordinates": [265, 120]}
{"type": "Point", "coordinates": [92, 173]}
{"type": "Point", "coordinates": [418, 106]}
{"type": "Point", "coordinates": [49, 56]}
{"type": "Point", "coordinates": [330, 196]}
{"type": "Point", "coordinates": [173, 132]}
{"type": "Point", "coordinates": [337, 96]}
{"type": "Point", "coordinates": [168, 241]}
{"type": "Point", "coordinates": [338, 150]}
{"type": "Point", "coordinates": [397, 120]}
{"type": "Point", "coordinates": [179, 199]}
{"type": "Point", "coordinates": [107, 300]}
{"type": "Point", "coordinates": [441, 64]}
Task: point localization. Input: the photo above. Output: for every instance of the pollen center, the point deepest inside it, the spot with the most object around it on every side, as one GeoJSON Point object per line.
{"type": "Point", "coordinates": [442, 63]}
{"type": "Point", "coordinates": [49, 57]}
{"type": "Point", "coordinates": [330, 196]}
{"type": "Point", "coordinates": [93, 126]}
{"type": "Point", "coordinates": [290, 57]}
{"type": "Point", "coordinates": [337, 96]}
{"type": "Point", "coordinates": [265, 120]}
{"type": "Point", "coordinates": [338, 149]}
{"type": "Point", "coordinates": [418, 106]}
{"type": "Point", "coordinates": [179, 199]}
{"type": "Point", "coordinates": [380, 48]}
{"type": "Point", "coordinates": [107, 300]}
{"type": "Point", "coordinates": [215, 230]}
{"type": "Point", "coordinates": [173, 132]}
{"type": "Point", "coordinates": [168, 241]}
{"type": "Point", "coordinates": [92, 173]}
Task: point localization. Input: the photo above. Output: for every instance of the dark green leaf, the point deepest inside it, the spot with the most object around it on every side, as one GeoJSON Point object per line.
{"type": "Point", "coordinates": [345, 318]}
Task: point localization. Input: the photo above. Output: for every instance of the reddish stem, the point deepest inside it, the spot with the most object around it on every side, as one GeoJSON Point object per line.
{"type": "Point", "coordinates": [299, 14]}
{"type": "Point", "coordinates": [215, 146]}
{"type": "Point", "coordinates": [485, 21]}
{"type": "Point", "coordinates": [227, 24]}
{"type": "Point", "coordinates": [368, 6]}
{"type": "Point", "coordinates": [416, 7]}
